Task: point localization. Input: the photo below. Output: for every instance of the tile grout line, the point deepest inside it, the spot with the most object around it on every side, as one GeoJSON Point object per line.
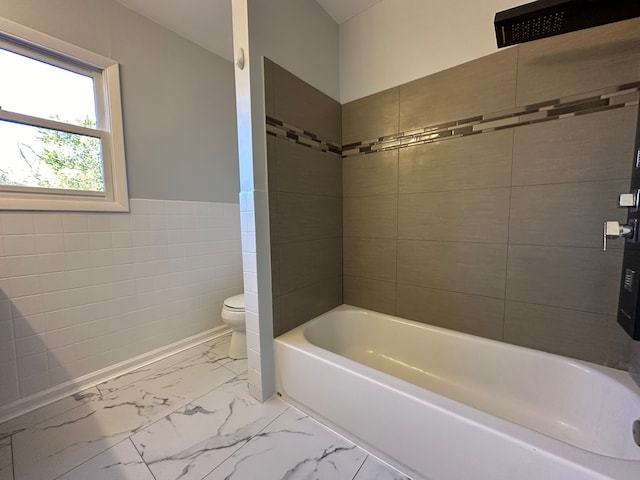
{"type": "Point", "coordinates": [506, 265]}
{"type": "Point", "coordinates": [249, 440]}
{"type": "Point", "coordinates": [141, 457]}
{"type": "Point", "coordinates": [361, 465]}
{"type": "Point", "coordinates": [513, 153]}
{"type": "Point", "coordinates": [13, 460]}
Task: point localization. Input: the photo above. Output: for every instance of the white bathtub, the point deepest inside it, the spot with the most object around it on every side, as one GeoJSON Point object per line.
{"type": "Point", "coordinates": [442, 405]}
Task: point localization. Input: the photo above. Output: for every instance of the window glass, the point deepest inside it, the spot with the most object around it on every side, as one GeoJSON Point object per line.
{"type": "Point", "coordinates": [40, 157]}
{"type": "Point", "coordinates": [33, 87]}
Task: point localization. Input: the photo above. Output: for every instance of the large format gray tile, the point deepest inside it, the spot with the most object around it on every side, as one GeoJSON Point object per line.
{"type": "Point", "coordinates": [371, 117]}
{"type": "Point", "coordinates": [481, 86]}
{"type": "Point", "coordinates": [302, 169]}
{"type": "Point", "coordinates": [370, 293]}
{"type": "Point", "coordinates": [278, 327]}
{"type": "Point", "coordinates": [371, 174]}
{"type": "Point", "coordinates": [634, 368]}
{"type": "Point", "coordinates": [308, 302]}
{"type": "Point", "coordinates": [272, 166]}
{"type": "Point", "coordinates": [474, 268]}
{"type": "Point", "coordinates": [293, 447]}
{"type": "Point", "coordinates": [269, 107]}
{"type": "Point", "coordinates": [477, 161]}
{"type": "Point", "coordinates": [464, 215]}
{"type": "Point", "coordinates": [582, 148]}
{"type": "Point", "coordinates": [584, 279]}
{"type": "Point", "coordinates": [273, 218]}
{"type": "Point", "coordinates": [192, 441]}
{"type": "Point", "coordinates": [579, 62]}
{"type": "Point", "coordinates": [370, 257]}
{"type": "Point", "coordinates": [275, 269]}
{"type": "Point", "coordinates": [301, 105]}
{"type": "Point", "coordinates": [472, 314]}
{"type": "Point", "coordinates": [373, 217]}
{"type": "Point", "coordinates": [306, 217]}
{"type": "Point", "coordinates": [304, 263]}
{"type": "Point", "coordinates": [565, 214]}
{"type": "Point", "coordinates": [586, 336]}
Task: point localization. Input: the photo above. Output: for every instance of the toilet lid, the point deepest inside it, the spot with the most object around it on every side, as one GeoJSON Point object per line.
{"type": "Point", "coordinates": [235, 303]}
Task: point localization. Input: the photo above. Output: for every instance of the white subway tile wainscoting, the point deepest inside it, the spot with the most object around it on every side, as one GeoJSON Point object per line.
{"type": "Point", "coordinates": [80, 292]}
{"type": "Point", "coordinates": [188, 417]}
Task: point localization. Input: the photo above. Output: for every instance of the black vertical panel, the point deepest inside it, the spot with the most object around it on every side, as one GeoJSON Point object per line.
{"type": "Point", "coordinates": [628, 306]}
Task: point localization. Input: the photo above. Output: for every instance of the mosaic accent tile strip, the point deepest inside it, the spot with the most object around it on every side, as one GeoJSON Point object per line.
{"type": "Point", "coordinates": [591, 102]}
{"type": "Point", "coordinates": [301, 137]}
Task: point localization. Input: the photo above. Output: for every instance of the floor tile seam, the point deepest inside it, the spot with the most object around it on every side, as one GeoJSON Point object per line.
{"type": "Point", "coordinates": [337, 434]}
{"type": "Point", "coordinates": [170, 365]}
{"type": "Point", "coordinates": [208, 392]}
{"type": "Point", "coordinates": [141, 457]}
{"type": "Point", "coordinates": [190, 402]}
{"type": "Point", "coordinates": [180, 405]}
{"type": "Point", "coordinates": [89, 459]}
{"type": "Point", "coordinates": [249, 440]}
{"type": "Point", "coordinates": [236, 375]}
{"type": "Point", "coordinates": [13, 462]}
{"type": "Point", "coordinates": [102, 393]}
{"type": "Point", "coordinates": [173, 365]}
{"type": "Point", "coordinates": [34, 425]}
{"type": "Point", "coordinates": [361, 465]}
{"type": "Point", "coordinates": [358, 446]}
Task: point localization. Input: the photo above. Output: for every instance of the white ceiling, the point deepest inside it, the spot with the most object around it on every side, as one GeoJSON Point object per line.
{"type": "Point", "coordinates": [208, 22]}
{"type": "Point", "coordinates": [343, 10]}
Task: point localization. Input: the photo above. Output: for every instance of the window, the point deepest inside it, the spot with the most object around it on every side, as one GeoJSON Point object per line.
{"type": "Point", "coordinates": [61, 140]}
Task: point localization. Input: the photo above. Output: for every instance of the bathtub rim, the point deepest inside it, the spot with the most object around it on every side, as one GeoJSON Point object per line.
{"type": "Point", "coordinates": [608, 467]}
{"type": "Point", "coordinates": [621, 377]}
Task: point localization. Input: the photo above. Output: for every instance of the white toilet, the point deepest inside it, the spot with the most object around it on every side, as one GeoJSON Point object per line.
{"type": "Point", "coordinates": [233, 316]}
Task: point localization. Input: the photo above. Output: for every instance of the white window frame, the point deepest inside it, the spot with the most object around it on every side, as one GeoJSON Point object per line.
{"type": "Point", "coordinates": [109, 127]}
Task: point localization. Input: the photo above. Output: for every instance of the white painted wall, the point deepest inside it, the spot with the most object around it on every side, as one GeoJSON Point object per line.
{"type": "Point", "coordinates": [299, 36]}
{"type": "Point", "coordinates": [397, 41]}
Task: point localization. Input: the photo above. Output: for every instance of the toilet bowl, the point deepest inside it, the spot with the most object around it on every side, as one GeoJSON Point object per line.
{"type": "Point", "coordinates": [233, 316]}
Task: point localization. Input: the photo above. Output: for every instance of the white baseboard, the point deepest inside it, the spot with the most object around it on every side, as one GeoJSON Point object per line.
{"type": "Point", "coordinates": [58, 392]}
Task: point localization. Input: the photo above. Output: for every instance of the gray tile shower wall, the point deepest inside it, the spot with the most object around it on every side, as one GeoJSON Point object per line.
{"type": "Point", "coordinates": [305, 198]}
{"type": "Point", "coordinates": [482, 210]}
{"type": "Point", "coordinates": [634, 369]}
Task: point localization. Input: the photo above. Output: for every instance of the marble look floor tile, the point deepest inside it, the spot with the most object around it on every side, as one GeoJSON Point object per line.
{"type": "Point", "coordinates": [42, 414]}
{"type": "Point", "coordinates": [60, 444]}
{"type": "Point", "coordinates": [191, 442]}
{"type": "Point", "coordinates": [237, 366]}
{"type": "Point", "coordinates": [190, 379]}
{"type": "Point", "coordinates": [121, 462]}
{"type": "Point", "coordinates": [6, 464]}
{"type": "Point", "coordinates": [374, 469]}
{"type": "Point", "coordinates": [212, 351]}
{"type": "Point", "coordinates": [293, 447]}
